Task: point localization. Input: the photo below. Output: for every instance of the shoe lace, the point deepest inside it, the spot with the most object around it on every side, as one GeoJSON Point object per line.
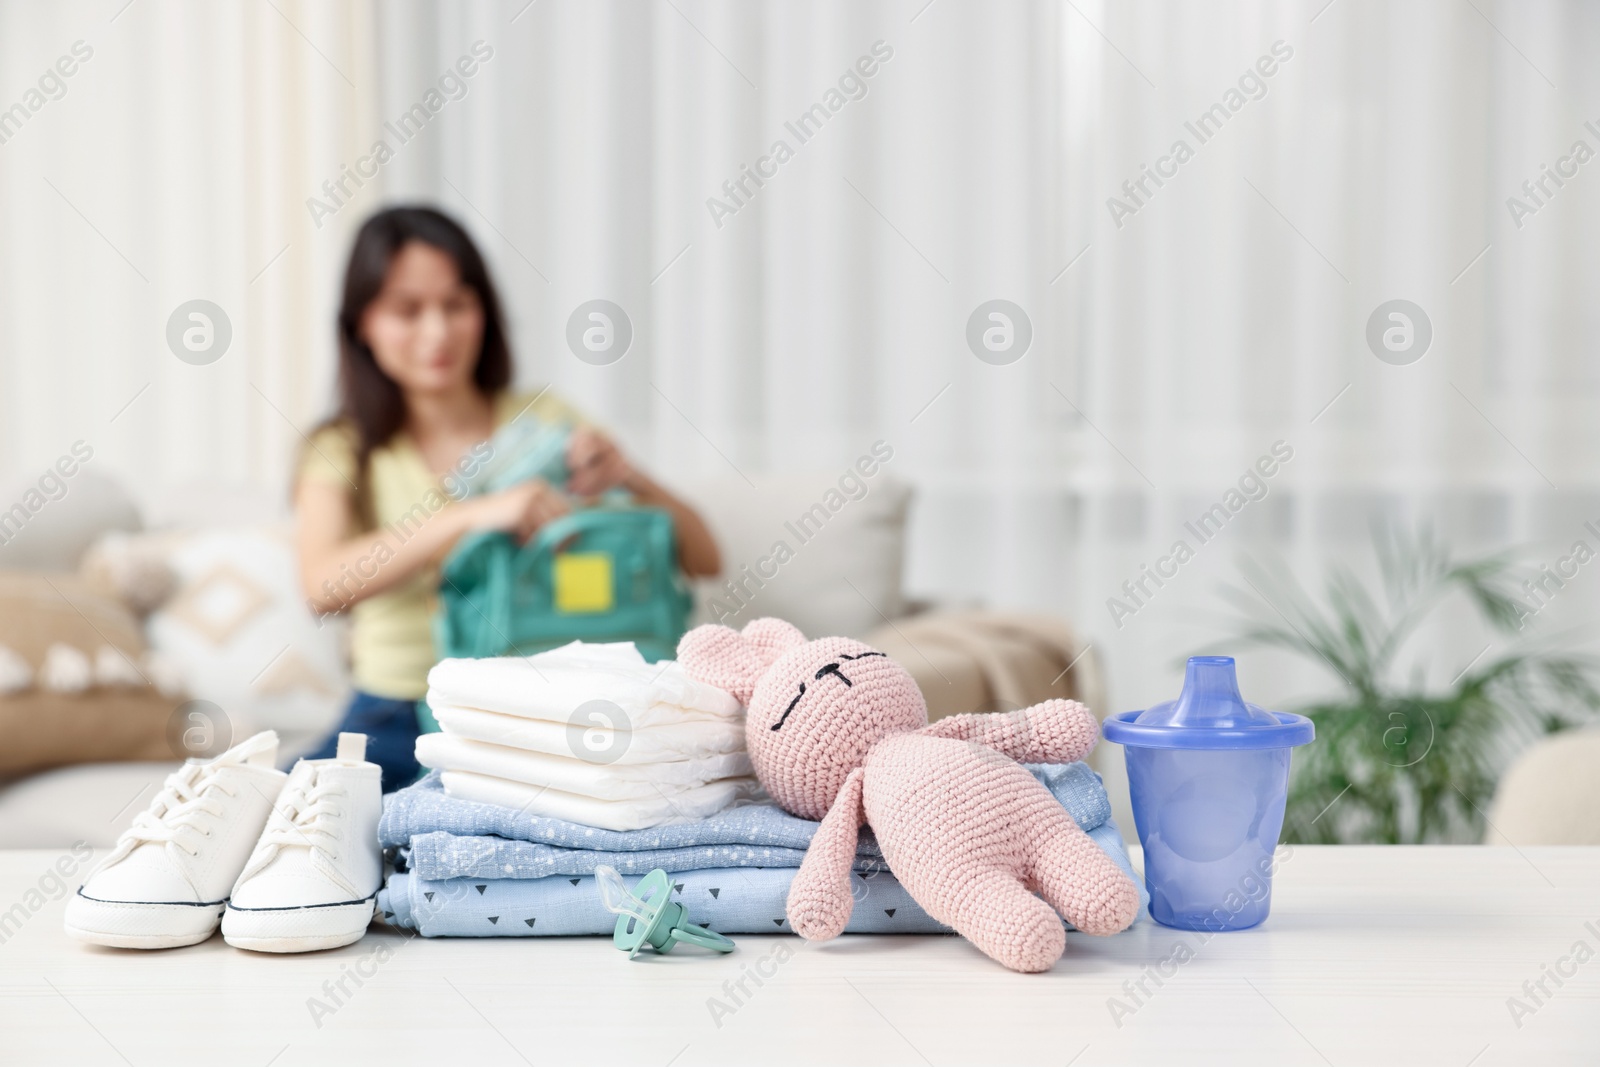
{"type": "Point", "coordinates": [307, 817]}
{"type": "Point", "coordinates": [188, 793]}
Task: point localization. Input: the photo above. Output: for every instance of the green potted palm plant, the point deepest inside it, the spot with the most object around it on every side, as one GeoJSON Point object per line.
{"type": "Point", "coordinates": [1397, 761]}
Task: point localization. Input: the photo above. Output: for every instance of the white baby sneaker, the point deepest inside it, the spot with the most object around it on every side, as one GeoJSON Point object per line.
{"type": "Point", "coordinates": [314, 877]}
{"type": "Point", "coordinates": [167, 880]}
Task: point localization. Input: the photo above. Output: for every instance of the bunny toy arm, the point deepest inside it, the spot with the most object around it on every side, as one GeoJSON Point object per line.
{"type": "Point", "coordinates": [820, 901]}
{"type": "Point", "coordinates": [1057, 731]}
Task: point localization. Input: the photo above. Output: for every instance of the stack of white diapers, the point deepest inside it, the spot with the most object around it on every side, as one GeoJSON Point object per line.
{"type": "Point", "coordinates": [588, 733]}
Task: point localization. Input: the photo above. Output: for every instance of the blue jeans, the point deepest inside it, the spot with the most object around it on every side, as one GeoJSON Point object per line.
{"type": "Point", "coordinates": [391, 729]}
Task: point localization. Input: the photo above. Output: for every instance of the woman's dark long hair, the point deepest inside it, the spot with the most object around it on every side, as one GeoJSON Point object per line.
{"type": "Point", "coordinates": [369, 400]}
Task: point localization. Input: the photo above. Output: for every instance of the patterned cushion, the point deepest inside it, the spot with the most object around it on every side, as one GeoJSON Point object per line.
{"type": "Point", "coordinates": [239, 634]}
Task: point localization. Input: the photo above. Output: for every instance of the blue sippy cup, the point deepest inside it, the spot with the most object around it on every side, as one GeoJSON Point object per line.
{"type": "Point", "coordinates": [1208, 775]}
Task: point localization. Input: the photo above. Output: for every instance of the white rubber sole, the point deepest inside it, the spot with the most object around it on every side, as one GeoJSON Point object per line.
{"type": "Point", "coordinates": [140, 925]}
{"type": "Point", "coordinates": [140, 941]}
{"type": "Point", "coordinates": [307, 929]}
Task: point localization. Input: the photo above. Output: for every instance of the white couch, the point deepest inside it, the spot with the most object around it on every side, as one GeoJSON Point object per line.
{"type": "Point", "coordinates": [841, 574]}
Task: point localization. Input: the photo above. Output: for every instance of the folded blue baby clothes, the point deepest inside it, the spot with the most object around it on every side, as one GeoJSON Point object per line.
{"type": "Point", "coordinates": [439, 857]}
{"type": "Point", "coordinates": [424, 808]}
{"type": "Point", "coordinates": [729, 900]}
{"type": "Point", "coordinates": [482, 870]}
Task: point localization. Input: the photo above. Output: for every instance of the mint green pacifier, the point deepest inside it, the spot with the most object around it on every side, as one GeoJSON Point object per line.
{"type": "Point", "coordinates": [649, 916]}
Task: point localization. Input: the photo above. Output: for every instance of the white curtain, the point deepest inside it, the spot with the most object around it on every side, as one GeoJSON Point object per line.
{"type": "Point", "coordinates": [830, 309]}
{"type": "Point", "coordinates": [172, 169]}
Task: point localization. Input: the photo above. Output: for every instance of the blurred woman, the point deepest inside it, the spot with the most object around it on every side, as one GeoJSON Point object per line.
{"type": "Point", "coordinates": [424, 379]}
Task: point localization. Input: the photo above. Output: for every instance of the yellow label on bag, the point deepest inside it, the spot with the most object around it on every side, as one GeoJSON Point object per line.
{"type": "Point", "coordinates": [583, 582]}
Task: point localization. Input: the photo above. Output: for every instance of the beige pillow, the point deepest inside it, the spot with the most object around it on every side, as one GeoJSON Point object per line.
{"type": "Point", "coordinates": [825, 550]}
{"type": "Point", "coordinates": [55, 537]}
{"type": "Point", "coordinates": [40, 728]}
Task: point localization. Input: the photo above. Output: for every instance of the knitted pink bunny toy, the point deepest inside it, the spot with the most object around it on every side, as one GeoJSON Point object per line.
{"type": "Point", "coordinates": [839, 732]}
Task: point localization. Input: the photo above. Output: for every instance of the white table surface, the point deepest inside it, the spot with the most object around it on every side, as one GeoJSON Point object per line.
{"type": "Point", "coordinates": [1371, 956]}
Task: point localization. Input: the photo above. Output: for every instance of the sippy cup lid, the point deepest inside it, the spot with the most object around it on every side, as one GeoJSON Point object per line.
{"type": "Point", "coordinates": [1209, 714]}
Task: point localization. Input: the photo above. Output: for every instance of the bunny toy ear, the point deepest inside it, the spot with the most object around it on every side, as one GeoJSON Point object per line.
{"type": "Point", "coordinates": [736, 661]}
{"type": "Point", "coordinates": [719, 656]}
{"type": "Point", "coordinates": [773, 637]}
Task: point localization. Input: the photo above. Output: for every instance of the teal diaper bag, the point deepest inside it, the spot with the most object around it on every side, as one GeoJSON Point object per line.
{"type": "Point", "coordinates": [607, 573]}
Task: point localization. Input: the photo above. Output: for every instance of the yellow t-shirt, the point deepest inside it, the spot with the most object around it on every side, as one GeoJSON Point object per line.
{"type": "Point", "coordinates": [391, 634]}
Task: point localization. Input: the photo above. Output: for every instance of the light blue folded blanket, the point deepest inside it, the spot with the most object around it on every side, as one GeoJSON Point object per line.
{"type": "Point", "coordinates": [448, 837]}
{"type": "Point", "coordinates": [730, 900]}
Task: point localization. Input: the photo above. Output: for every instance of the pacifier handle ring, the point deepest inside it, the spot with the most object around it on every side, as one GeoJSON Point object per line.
{"type": "Point", "coordinates": [699, 935]}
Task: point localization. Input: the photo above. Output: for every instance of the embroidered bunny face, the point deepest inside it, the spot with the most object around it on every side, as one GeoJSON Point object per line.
{"type": "Point", "coordinates": [815, 709]}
